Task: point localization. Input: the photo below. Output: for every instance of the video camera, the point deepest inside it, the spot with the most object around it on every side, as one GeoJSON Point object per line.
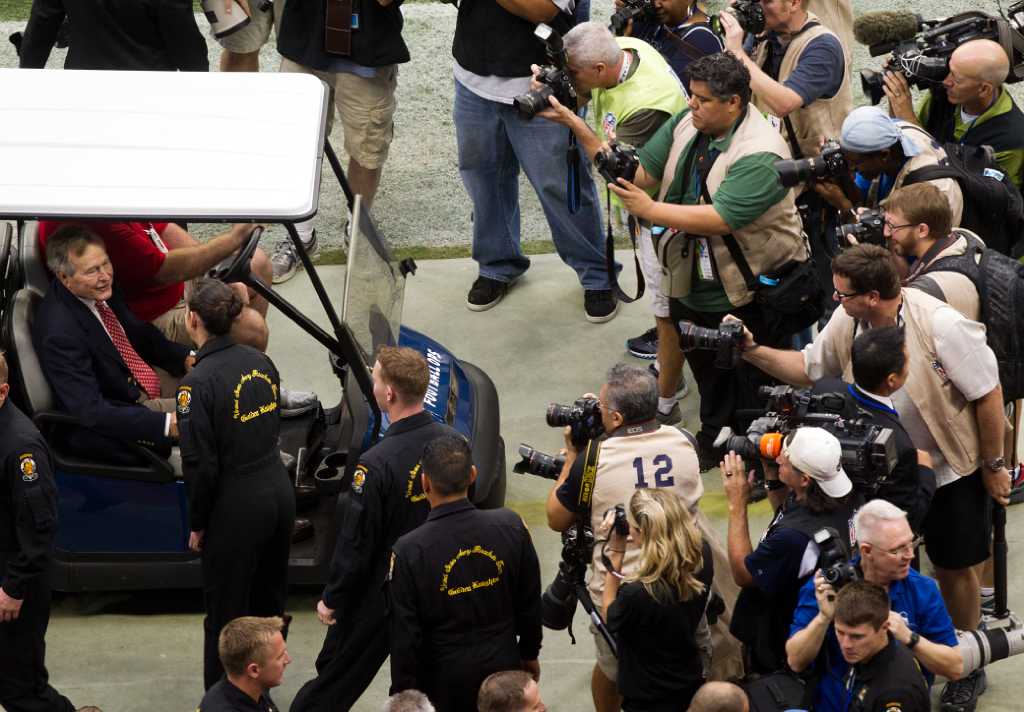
{"type": "Point", "coordinates": [868, 451]}
{"type": "Point", "coordinates": [725, 341]}
{"type": "Point", "coordinates": [869, 229]}
{"type": "Point", "coordinates": [829, 164]}
{"type": "Point", "coordinates": [920, 49]}
{"type": "Point", "coordinates": [619, 161]}
{"type": "Point", "coordinates": [554, 77]}
{"type": "Point", "coordinates": [644, 10]}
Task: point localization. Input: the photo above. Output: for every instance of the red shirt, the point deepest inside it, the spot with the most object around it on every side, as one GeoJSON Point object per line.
{"type": "Point", "coordinates": [136, 256]}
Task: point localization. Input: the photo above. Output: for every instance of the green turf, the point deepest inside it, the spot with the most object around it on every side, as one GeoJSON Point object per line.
{"type": "Point", "coordinates": [18, 9]}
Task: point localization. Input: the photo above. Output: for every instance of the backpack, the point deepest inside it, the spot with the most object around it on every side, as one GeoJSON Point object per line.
{"type": "Point", "coordinates": [993, 207]}
{"type": "Point", "coordinates": [1000, 284]}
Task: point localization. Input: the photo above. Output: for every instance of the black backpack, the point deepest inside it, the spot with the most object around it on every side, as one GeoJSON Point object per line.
{"type": "Point", "coordinates": [993, 207]}
{"type": "Point", "coordinates": [1000, 284]}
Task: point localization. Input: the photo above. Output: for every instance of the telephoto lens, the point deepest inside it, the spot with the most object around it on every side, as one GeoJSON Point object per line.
{"type": "Point", "coordinates": [535, 462]}
{"type": "Point", "coordinates": [981, 647]}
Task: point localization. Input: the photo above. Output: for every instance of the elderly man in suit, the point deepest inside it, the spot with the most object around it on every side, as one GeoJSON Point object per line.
{"type": "Point", "coordinates": [96, 354]}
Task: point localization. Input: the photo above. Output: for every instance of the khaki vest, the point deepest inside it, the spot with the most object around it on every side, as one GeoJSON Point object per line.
{"type": "Point", "coordinates": [768, 242]}
{"type": "Point", "coordinates": [823, 119]}
{"type": "Point", "coordinates": [958, 290]}
{"type": "Point", "coordinates": [836, 15]}
{"type": "Point", "coordinates": [931, 153]}
{"type": "Point", "coordinates": [667, 460]}
{"type": "Point", "coordinates": [949, 416]}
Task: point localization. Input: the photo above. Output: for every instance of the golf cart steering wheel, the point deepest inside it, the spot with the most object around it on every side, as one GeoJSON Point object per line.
{"type": "Point", "coordinates": [236, 268]}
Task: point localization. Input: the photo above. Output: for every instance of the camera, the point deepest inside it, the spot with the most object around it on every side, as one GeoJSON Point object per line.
{"type": "Point", "coordinates": [535, 462]}
{"type": "Point", "coordinates": [620, 525]}
{"type": "Point", "coordinates": [558, 602]}
{"type": "Point", "coordinates": [220, 21]}
{"type": "Point", "coordinates": [619, 161]}
{"type": "Point", "coordinates": [644, 10]}
{"type": "Point", "coordinates": [981, 647]}
{"type": "Point", "coordinates": [834, 559]}
{"type": "Point", "coordinates": [924, 57]}
{"type": "Point", "coordinates": [583, 417]}
{"type": "Point", "coordinates": [830, 163]}
{"type": "Point", "coordinates": [725, 341]}
{"type": "Point", "coordinates": [750, 15]}
{"type": "Point", "coordinates": [867, 230]}
{"type": "Point", "coordinates": [868, 451]}
{"type": "Point", "coordinates": [554, 77]}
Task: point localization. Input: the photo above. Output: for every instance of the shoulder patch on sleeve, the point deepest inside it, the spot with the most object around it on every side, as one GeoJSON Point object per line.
{"type": "Point", "coordinates": [391, 567]}
{"type": "Point", "coordinates": [359, 479]}
{"type": "Point", "coordinates": [184, 399]}
{"type": "Point", "coordinates": [27, 465]}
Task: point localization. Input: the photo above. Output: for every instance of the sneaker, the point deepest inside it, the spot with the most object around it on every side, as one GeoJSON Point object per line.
{"type": "Point", "coordinates": [988, 606]}
{"type": "Point", "coordinates": [1017, 485]}
{"type": "Point", "coordinates": [670, 418]}
{"type": "Point", "coordinates": [962, 695]}
{"type": "Point", "coordinates": [285, 261]}
{"type": "Point", "coordinates": [485, 293]}
{"type": "Point", "coordinates": [600, 305]}
{"type": "Point", "coordinates": [644, 346]}
{"type": "Point", "coordinates": [682, 388]}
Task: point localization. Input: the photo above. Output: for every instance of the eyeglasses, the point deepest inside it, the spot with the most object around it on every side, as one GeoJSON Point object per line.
{"type": "Point", "coordinates": [901, 550]}
{"type": "Point", "coordinates": [836, 294]}
{"type": "Point", "coordinates": [894, 228]}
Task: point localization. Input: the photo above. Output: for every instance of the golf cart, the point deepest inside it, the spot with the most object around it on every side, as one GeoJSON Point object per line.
{"type": "Point", "coordinates": [205, 148]}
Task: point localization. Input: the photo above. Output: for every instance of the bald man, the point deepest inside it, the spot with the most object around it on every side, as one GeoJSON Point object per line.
{"type": "Point", "coordinates": [972, 106]}
{"type": "Point", "coordinates": [719, 697]}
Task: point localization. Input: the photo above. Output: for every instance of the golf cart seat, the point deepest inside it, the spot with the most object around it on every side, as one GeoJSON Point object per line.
{"type": "Point", "coordinates": [36, 398]}
{"type": "Point", "coordinates": [33, 262]}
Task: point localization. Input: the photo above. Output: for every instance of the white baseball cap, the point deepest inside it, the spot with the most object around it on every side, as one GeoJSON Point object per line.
{"type": "Point", "coordinates": [817, 453]}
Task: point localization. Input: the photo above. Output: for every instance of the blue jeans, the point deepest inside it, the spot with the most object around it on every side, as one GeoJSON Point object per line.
{"type": "Point", "coordinates": [493, 143]}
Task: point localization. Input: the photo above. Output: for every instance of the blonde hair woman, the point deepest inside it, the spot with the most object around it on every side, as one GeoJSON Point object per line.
{"type": "Point", "coordinates": [655, 612]}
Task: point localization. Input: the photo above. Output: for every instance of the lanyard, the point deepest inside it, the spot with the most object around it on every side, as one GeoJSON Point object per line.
{"type": "Point", "coordinates": [870, 403]}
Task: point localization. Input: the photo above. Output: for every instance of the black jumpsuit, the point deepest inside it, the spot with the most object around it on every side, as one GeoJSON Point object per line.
{"type": "Point", "coordinates": [385, 501]}
{"type": "Point", "coordinates": [239, 492]}
{"type": "Point", "coordinates": [28, 525]}
{"type": "Point", "coordinates": [465, 599]}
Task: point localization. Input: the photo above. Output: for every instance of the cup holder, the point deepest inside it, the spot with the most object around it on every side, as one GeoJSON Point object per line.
{"type": "Point", "coordinates": [330, 478]}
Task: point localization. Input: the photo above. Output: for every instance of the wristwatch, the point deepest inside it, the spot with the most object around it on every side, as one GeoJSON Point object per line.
{"type": "Point", "coordinates": [995, 464]}
{"type": "Point", "coordinates": [915, 638]}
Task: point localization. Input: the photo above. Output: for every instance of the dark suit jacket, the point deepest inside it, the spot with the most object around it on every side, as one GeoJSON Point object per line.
{"type": "Point", "coordinates": [911, 486]}
{"type": "Point", "coordinates": [117, 34]}
{"type": "Point", "coordinates": [90, 379]}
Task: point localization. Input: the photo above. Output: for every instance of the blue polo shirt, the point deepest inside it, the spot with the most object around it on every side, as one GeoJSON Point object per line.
{"type": "Point", "coordinates": [916, 598]}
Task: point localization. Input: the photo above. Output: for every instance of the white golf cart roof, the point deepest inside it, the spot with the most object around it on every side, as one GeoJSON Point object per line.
{"type": "Point", "coordinates": [160, 145]}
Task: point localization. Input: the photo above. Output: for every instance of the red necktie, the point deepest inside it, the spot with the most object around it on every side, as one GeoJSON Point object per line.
{"type": "Point", "coordinates": [144, 374]}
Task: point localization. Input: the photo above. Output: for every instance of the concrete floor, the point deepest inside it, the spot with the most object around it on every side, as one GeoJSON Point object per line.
{"type": "Point", "coordinates": [122, 650]}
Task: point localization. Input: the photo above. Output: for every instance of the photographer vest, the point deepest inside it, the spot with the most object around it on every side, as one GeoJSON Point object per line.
{"type": "Point", "coordinates": [953, 288]}
{"type": "Point", "coordinates": [490, 40]}
{"type": "Point", "coordinates": [823, 119]}
{"type": "Point", "coordinates": [769, 242]}
{"type": "Point", "coordinates": [664, 458]}
{"type": "Point", "coordinates": [836, 15]}
{"type": "Point", "coordinates": [950, 417]}
{"type": "Point", "coordinates": [931, 154]}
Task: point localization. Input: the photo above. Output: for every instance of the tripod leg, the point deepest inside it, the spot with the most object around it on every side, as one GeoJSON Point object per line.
{"type": "Point", "coordinates": [595, 616]}
{"type": "Point", "coordinates": [999, 550]}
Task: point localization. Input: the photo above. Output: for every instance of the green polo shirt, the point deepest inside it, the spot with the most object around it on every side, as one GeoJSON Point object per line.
{"type": "Point", "coordinates": [749, 188]}
{"type": "Point", "coordinates": [1011, 162]}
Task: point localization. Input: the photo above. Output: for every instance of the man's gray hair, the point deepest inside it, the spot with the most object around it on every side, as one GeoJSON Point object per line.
{"type": "Point", "coordinates": [871, 515]}
{"type": "Point", "coordinates": [591, 42]}
{"type": "Point", "coordinates": [408, 701]}
{"type": "Point", "coordinates": [632, 391]}
{"type": "Point", "coordinates": [68, 240]}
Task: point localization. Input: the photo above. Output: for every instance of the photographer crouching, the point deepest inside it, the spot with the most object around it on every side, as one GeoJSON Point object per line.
{"type": "Point", "coordinates": [918, 617]}
{"type": "Point", "coordinates": [810, 491]}
{"type": "Point", "coordinates": [635, 452]}
{"type": "Point", "coordinates": [732, 239]}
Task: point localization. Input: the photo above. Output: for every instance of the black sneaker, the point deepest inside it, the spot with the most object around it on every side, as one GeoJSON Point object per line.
{"type": "Point", "coordinates": [644, 346]}
{"type": "Point", "coordinates": [600, 305]}
{"type": "Point", "coordinates": [485, 293]}
{"type": "Point", "coordinates": [962, 695]}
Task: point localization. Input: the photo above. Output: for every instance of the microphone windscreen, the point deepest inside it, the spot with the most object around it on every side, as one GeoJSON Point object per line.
{"type": "Point", "coordinates": [874, 28]}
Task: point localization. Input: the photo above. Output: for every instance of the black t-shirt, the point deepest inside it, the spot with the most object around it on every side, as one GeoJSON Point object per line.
{"type": "Point", "coordinates": [658, 657]}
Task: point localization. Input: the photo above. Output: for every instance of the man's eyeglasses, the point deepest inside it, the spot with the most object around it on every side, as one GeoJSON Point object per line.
{"type": "Point", "coordinates": [845, 295]}
{"type": "Point", "coordinates": [894, 228]}
{"type": "Point", "coordinates": [906, 549]}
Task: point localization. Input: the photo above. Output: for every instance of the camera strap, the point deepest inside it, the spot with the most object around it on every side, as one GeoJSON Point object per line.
{"type": "Point", "coordinates": [572, 175]}
{"type": "Point", "coordinates": [586, 493]}
{"type": "Point", "coordinates": [609, 255]}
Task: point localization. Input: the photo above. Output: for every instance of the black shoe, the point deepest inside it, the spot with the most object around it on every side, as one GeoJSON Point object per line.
{"type": "Point", "coordinates": [485, 293]}
{"type": "Point", "coordinates": [303, 530]}
{"type": "Point", "coordinates": [644, 346]}
{"type": "Point", "coordinates": [600, 305]}
{"type": "Point", "coordinates": [962, 695]}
